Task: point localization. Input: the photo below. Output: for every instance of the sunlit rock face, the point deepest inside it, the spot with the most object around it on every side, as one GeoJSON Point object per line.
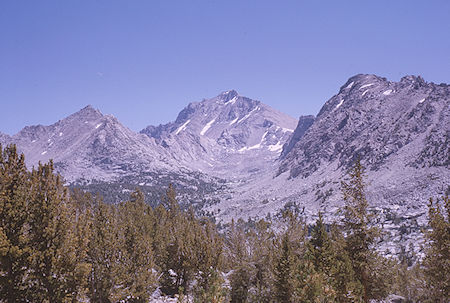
{"type": "Point", "coordinates": [229, 135]}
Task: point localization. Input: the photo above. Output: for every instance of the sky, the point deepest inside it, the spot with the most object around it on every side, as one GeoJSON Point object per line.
{"type": "Point", "coordinates": [144, 61]}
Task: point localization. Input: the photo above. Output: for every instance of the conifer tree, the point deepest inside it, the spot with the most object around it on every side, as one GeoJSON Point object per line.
{"type": "Point", "coordinates": [314, 272]}
{"type": "Point", "coordinates": [52, 260]}
{"type": "Point", "coordinates": [361, 235]}
{"type": "Point", "coordinates": [138, 277]}
{"type": "Point", "coordinates": [186, 248]}
{"type": "Point", "coordinates": [239, 257]}
{"type": "Point", "coordinates": [319, 248]}
{"type": "Point", "coordinates": [14, 241]}
{"type": "Point", "coordinates": [348, 288]}
{"type": "Point", "coordinates": [310, 285]}
{"type": "Point", "coordinates": [291, 251]}
{"type": "Point", "coordinates": [176, 272]}
{"type": "Point", "coordinates": [214, 292]}
{"type": "Point", "coordinates": [283, 272]}
{"type": "Point", "coordinates": [436, 264]}
{"type": "Point", "coordinates": [261, 242]}
{"type": "Point", "coordinates": [81, 207]}
{"type": "Point", "coordinates": [206, 256]}
{"type": "Point", "coordinates": [103, 255]}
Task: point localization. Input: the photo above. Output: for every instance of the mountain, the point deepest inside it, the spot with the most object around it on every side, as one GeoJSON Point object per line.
{"type": "Point", "coordinates": [92, 146]}
{"type": "Point", "coordinates": [303, 124]}
{"type": "Point", "coordinates": [237, 157]}
{"type": "Point", "coordinates": [229, 136]}
{"type": "Point", "coordinates": [380, 121]}
{"type": "Point", "coordinates": [399, 130]}
{"type": "Point", "coordinates": [4, 138]}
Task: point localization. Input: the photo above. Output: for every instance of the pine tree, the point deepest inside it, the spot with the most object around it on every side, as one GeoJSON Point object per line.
{"type": "Point", "coordinates": [436, 264]}
{"type": "Point", "coordinates": [261, 242]}
{"type": "Point", "coordinates": [310, 285]}
{"type": "Point", "coordinates": [176, 270]}
{"type": "Point", "coordinates": [14, 241]}
{"type": "Point", "coordinates": [81, 207]}
{"type": "Point", "coordinates": [103, 255]}
{"type": "Point", "coordinates": [186, 247]}
{"type": "Point", "coordinates": [214, 292]}
{"type": "Point", "coordinates": [240, 263]}
{"type": "Point", "coordinates": [313, 275]}
{"type": "Point", "coordinates": [291, 250]}
{"type": "Point", "coordinates": [136, 258]}
{"type": "Point", "coordinates": [348, 288]}
{"type": "Point", "coordinates": [283, 272]}
{"type": "Point", "coordinates": [319, 248]}
{"type": "Point", "coordinates": [52, 258]}
{"type": "Point", "coordinates": [206, 255]}
{"type": "Point", "coordinates": [361, 235]}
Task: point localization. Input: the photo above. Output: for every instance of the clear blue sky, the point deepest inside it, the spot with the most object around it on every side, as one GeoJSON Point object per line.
{"type": "Point", "coordinates": [143, 61]}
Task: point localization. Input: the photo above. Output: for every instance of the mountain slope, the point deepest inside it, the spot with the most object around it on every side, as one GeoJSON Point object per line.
{"type": "Point", "coordinates": [90, 145]}
{"type": "Point", "coordinates": [399, 130]}
{"type": "Point", "coordinates": [4, 138]}
{"type": "Point", "coordinates": [377, 120]}
{"type": "Point", "coordinates": [228, 136]}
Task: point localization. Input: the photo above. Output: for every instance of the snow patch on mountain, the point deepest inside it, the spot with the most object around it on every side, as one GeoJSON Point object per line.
{"type": "Point", "coordinates": [207, 126]}
{"type": "Point", "coordinates": [276, 147]}
{"type": "Point", "coordinates": [182, 127]}
{"type": "Point", "coordinates": [248, 115]}
{"type": "Point", "coordinates": [366, 85]}
{"type": "Point", "coordinates": [339, 104]}
{"type": "Point", "coordinates": [234, 121]}
{"type": "Point", "coordinates": [232, 101]}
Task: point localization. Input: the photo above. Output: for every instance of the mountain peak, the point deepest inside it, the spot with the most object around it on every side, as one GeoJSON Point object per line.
{"type": "Point", "coordinates": [229, 92]}
{"type": "Point", "coordinates": [90, 109]}
{"type": "Point", "coordinates": [228, 95]}
{"type": "Point", "coordinates": [87, 113]}
{"type": "Point", "coordinates": [412, 79]}
{"type": "Point", "coordinates": [361, 79]}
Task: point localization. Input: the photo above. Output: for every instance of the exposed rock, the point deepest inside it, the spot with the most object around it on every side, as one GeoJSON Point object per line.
{"type": "Point", "coordinates": [303, 124]}
{"type": "Point", "coordinates": [230, 136]}
{"type": "Point", "coordinates": [246, 160]}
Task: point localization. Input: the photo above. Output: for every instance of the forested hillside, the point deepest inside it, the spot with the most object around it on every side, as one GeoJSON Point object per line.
{"type": "Point", "coordinates": [66, 245]}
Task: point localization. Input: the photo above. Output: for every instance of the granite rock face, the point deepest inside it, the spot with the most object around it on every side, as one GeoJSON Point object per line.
{"type": "Point", "coordinates": [251, 160]}
{"type": "Point", "coordinates": [378, 121]}
{"type": "Point", "coordinates": [399, 130]}
{"type": "Point", "coordinates": [89, 145]}
{"type": "Point", "coordinates": [303, 124]}
{"type": "Point", "coordinates": [230, 136]}
{"type": "Point", "coordinates": [225, 136]}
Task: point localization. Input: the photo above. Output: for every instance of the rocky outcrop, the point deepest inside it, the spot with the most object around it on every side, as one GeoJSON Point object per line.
{"type": "Point", "coordinates": [377, 121]}
{"type": "Point", "coordinates": [231, 136]}
{"type": "Point", "coordinates": [303, 124]}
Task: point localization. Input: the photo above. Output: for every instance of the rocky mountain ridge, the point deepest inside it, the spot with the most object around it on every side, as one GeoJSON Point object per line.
{"type": "Point", "coordinates": [89, 145]}
{"type": "Point", "coordinates": [244, 159]}
{"type": "Point", "coordinates": [374, 119]}
{"type": "Point", "coordinates": [400, 132]}
{"type": "Point", "coordinates": [228, 136]}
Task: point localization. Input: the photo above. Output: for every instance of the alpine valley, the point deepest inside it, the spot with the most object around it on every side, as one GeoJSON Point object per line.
{"type": "Point", "coordinates": [234, 157]}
